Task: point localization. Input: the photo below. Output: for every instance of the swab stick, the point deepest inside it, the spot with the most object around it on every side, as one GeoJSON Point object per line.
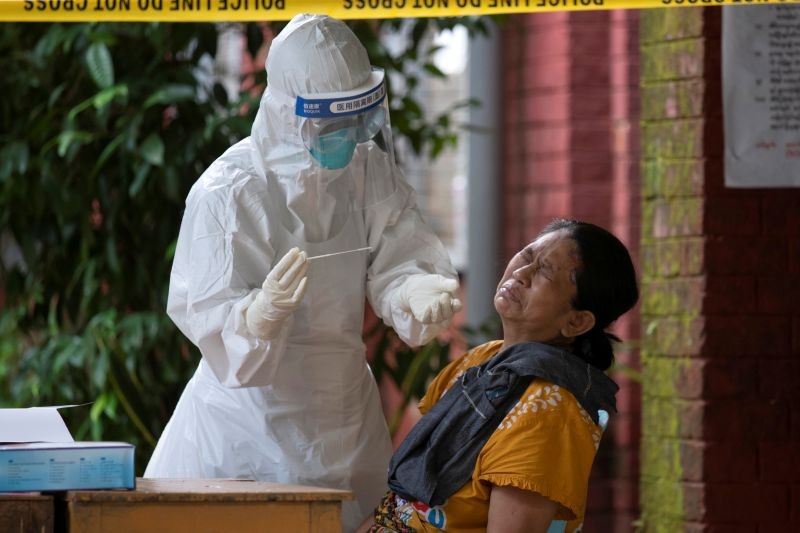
{"type": "Point", "coordinates": [365, 249]}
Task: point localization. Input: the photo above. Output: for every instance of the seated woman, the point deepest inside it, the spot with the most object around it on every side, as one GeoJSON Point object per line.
{"type": "Point", "coordinates": [510, 430]}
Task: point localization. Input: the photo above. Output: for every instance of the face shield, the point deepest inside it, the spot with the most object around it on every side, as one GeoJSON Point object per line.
{"type": "Point", "coordinates": [351, 130]}
{"type": "Point", "coordinates": [332, 141]}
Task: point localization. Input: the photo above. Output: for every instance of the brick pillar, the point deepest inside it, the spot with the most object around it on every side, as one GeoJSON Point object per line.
{"type": "Point", "coordinates": [570, 98]}
{"type": "Point", "coordinates": [721, 284]}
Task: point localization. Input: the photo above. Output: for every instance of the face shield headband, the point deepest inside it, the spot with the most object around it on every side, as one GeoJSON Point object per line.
{"type": "Point", "coordinates": [333, 124]}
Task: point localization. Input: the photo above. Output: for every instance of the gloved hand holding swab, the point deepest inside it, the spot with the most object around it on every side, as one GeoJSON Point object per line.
{"type": "Point", "coordinates": [364, 249]}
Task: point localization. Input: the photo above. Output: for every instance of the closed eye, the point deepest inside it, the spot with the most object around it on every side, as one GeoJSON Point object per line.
{"type": "Point", "coordinates": [545, 269]}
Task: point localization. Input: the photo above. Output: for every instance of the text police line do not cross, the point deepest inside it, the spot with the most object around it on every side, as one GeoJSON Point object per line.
{"type": "Point", "coordinates": [154, 5]}
{"type": "Point", "coordinates": [488, 4]}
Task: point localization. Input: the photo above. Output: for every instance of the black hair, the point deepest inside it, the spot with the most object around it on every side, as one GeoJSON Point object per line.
{"type": "Point", "coordinates": [606, 286]}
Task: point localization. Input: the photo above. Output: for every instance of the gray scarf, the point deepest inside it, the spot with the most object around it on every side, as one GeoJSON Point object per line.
{"type": "Point", "coordinates": [438, 455]}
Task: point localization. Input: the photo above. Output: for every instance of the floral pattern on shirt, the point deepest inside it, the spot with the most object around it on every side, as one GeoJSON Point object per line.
{"type": "Point", "coordinates": [542, 399]}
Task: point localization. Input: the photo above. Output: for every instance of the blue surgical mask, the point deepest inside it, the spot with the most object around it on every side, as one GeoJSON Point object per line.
{"type": "Point", "coordinates": [334, 150]}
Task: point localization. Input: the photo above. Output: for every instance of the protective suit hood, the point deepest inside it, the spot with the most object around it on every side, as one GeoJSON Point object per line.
{"type": "Point", "coordinates": [315, 55]}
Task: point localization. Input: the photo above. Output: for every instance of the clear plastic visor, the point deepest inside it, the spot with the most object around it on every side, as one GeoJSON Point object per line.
{"type": "Point", "coordinates": [349, 136]}
{"type": "Point", "coordinates": [321, 135]}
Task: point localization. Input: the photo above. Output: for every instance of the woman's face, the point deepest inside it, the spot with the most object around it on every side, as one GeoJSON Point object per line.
{"type": "Point", "coordinates": [534, 297]}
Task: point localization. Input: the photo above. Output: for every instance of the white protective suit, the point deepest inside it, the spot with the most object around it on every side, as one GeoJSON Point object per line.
{"type": "Point", "coordinates": [302, 407]}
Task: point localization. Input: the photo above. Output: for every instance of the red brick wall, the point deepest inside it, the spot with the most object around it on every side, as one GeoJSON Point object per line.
{"type": "Point", "coordinates": [570, 100]}
{"type": "Point", "coordinates": [721, 358]}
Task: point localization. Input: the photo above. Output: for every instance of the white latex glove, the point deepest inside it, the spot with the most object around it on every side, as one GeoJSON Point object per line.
{"type": "Point", "coordinates": [431, 298]}
{"type": "Point", "coordinates": [280, 295]}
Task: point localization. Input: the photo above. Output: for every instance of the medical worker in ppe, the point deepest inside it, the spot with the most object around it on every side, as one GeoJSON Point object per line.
{"type": "Point", "coordinates": [283, 392]}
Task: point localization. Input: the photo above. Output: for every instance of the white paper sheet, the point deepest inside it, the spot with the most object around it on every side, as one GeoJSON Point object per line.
{"type": "Point", "coordinates": [761, 95]}
{"type": "Point", "coordinates": [33, 424]}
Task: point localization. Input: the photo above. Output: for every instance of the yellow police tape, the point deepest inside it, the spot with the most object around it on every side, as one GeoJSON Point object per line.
{"type": "Point", "coordinates": [262, 10]}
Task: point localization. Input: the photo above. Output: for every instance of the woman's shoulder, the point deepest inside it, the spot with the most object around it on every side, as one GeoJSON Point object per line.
{"type": "Point", "coordinates": [545, 444]}
{"type": "Point", "coordinates": [545, 404]}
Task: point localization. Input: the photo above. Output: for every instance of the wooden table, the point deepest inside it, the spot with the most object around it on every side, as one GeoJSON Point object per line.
{"type": "Point", "coordinates": [26, 512]}
{"type": "Point", "coordinates": [205, 506]}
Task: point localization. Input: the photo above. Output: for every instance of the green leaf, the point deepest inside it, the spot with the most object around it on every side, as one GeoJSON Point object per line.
{"type": "Point", "coordinates": [49, 42]}
{"type": "Point", "coordinates": [139, 180]}
{"type": "Point", "coordinates": [111, 407]}
{"type": "Point", "coordinates": [21, 156]}
{"type": "Point", "coordinates": [55, 95]}
{"type": "Point", "coordinates": [170, 94]}
{"type": "Point", "coordinates": [13, 158]}
{"type": "Point", "coordinates": [433, 70]}
{"type": "Point", "coordinates": [152, 150]}
{"type": "Point", "coordinates": [169, 253]}
{"type": "Point", "coordinates": [416, 141]}
{"type": "Point", "coordinates": [100, 65]}
{"type": "Point", "coordinates": [89, 286]}
{"type": "Point", "coordinates": [100, 369]}
{"type": "Point", "coordinates": [171, 182]}
{"type": "Point", "coordinates": [412, 107]}
{"type": "Point", "coordinates": [67, 138]}
{"type": "Point", "coordinates": [437, 147]}
{"type": "Point", "coordinates": [106, 96]}
{"type": "Point", "coordinates": [98, 407]}
{"type": "Point", "coordinates": [107, 152]}
{"type": "Point", "coordinates": [81, 107]}
{"type": "Point", "coordinates": [112, 256]}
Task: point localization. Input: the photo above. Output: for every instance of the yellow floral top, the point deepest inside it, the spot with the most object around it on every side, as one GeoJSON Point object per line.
{"type": "Point", "coordinates": [546, 444]}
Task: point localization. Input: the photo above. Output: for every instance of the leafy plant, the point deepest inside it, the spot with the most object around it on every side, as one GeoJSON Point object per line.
{"type": "Point", "coordinates": [105, 134]}
{"type": "Point", "coordinates": [104, 130]}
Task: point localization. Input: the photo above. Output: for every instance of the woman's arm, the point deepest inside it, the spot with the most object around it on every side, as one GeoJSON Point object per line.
{"type": "Point", "coordinates": [515, 510]}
